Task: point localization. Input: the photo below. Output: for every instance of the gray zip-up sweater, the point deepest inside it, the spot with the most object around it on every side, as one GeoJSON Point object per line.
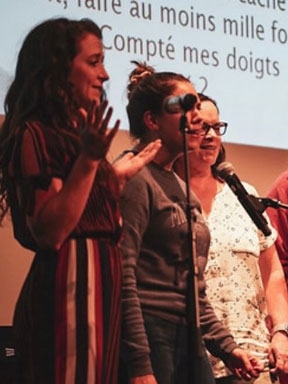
{"type": "Point", "coordinates": [155, 264]}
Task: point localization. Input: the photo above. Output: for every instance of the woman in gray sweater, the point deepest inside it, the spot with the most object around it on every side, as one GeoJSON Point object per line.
{"type": "Point", "coordinates": [155, 247]}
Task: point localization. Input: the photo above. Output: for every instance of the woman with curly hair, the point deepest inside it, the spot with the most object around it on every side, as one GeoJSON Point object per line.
{"type": "Point", "coordinates": [63, 196]}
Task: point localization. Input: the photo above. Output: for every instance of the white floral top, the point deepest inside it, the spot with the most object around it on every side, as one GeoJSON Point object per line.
{"type": "Point", "coordinates": [233, 276]}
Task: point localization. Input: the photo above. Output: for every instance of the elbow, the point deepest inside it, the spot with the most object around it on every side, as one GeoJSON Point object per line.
{"type": "Point", "coordinates": [47, 240]}
{"type": "Point", "coordinates": [49, 244]}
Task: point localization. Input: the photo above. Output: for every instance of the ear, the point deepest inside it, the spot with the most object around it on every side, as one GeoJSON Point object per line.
{"type": "Point", "coordinates": [150, 121]}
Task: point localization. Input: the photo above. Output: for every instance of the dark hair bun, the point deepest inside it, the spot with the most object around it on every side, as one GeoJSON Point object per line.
{"type": "Point", "coordinates": [141, 71]}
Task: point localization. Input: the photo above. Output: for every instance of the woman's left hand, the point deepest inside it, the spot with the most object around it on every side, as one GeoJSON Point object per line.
{"type": "Point", "coordinates": [128, 165]}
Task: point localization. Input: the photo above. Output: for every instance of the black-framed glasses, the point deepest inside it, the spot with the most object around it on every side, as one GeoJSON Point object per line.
{"type": "Point", "coordinates": [219, 128]}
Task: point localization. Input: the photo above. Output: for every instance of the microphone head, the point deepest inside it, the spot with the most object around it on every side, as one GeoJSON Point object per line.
{"type": "Point", "coordinates": [224, 170]}
{"type": "Point", "coordinates": [188, 101]}
{"type": "Point", "coordinates": [182, 103]}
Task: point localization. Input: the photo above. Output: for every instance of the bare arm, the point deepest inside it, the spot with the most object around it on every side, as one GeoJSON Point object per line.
{"type": "Point", "coordinates": [277, 303]}
{"type": "Point", "coordinates": [58, 210]}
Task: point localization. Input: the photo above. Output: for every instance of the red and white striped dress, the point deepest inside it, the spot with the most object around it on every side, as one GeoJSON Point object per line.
{"type": "Point", "coordinates": [67, 318]}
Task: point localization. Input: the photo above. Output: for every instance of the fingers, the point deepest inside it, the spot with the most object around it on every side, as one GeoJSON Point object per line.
{"type": "Point", "coordinates": [278, 355]}
{"type": "Point", "coordinates": [147, 154]}
{"type": "Point", "coordinates": [244, 365]}
{"type": "Point", "coordinates": [93, 126]}
{"type": "Point", "coordinates": [281, 364]}
{"type": "Point", "coordinates": [154, 145]}
{"type": "Point", "coordinates": [95, 120]}
{"type": "Point", "coordinates": [280, 367]}
{"type": "Point", "coordinates": [128, 156]}
{"type": "Point", "coordinates": [104, 123]}
{"type": "Point", "coordinates": [114, 130]}
{"type": "Point", "coordinates": [150, 150]}
{"type": "Point", "coordinates": [258, 365]}
{"type": "Point", "coordinates": [241, 374]}
{"type": "Point", "coordinates": [96, 113]}
{"type": "Point", "coordinates": [81, 119]}
{"type": "Point", "coordinates": [128, 165]}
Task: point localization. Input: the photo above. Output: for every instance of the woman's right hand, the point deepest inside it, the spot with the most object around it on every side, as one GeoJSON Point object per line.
{"type": "Point", "coordinates": [93, 125]}
{"type": "Point", "coordinates": [147, 379]}
{"type": "Point", "coordinates": [59, 208]}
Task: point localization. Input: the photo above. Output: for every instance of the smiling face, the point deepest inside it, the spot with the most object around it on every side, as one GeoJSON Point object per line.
{"type": "Point", "coordinates": [88, 73]}
{"type": "Point", "coordinates": [209, 145]}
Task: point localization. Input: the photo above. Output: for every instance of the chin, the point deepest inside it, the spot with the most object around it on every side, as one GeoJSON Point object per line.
{"type": "Point", "coordinates": [87, 102]}
{"type": "Point", "coordinates": [210, 161]}
{"type": "Point", "coordinates": [97, 101]}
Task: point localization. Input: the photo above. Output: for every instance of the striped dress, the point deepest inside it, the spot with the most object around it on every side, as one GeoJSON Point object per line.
{"type": "Point", "coordinates": [67, 317]}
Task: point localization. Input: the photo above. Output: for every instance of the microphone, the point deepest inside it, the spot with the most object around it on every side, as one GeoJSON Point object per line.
{"type": "Point", "coordinates": [182, 103]}
{"type": "Point", "coordinates": [226, 172]}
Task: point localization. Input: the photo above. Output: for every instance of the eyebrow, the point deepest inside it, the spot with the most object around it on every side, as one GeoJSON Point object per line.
{"type": "Point", "coordinates": [96, 56]}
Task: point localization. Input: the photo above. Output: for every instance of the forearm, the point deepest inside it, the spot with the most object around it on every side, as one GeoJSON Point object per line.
{"type": "Point", "coordinates": [274, 286]}
{"type": "Point", "coordinates": [134, 206]}
{"type": "Point", "coordinates": [277, 298]}
{"type": "Point", "coordinates": [135, 344]}
{"type": "Point", "coordinates": [58, 210]}
{"type": "Point", "coordinates": [134, 339]}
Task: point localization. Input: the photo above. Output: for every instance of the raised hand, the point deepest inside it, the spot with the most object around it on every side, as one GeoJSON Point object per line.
{"type": "Point", "coordinates": [95, 136]}
{"type": "Point", "coordinates": [129, 164]}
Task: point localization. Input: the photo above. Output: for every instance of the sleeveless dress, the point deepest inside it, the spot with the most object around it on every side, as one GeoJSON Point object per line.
{"type": "Point", "coordinates": [67, 318]}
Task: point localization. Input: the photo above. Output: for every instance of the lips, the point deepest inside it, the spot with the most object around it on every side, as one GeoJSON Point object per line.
{"type": "Point", "coordinates": [208, 147]}
{"type": "Point", "coordinates": [98, 87]}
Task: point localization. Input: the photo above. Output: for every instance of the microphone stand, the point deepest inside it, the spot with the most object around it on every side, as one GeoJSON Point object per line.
{"type": "Point", "coordinates": [195, 349]}
{"type": "Point", "coordinates": [261, 203]}
{"type": "Point", "coordinates": [267, 202]}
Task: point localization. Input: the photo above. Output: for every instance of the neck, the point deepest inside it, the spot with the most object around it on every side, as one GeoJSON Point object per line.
{"type": "Point", "coordinates": [164, 158]}
{"type": "Point", "coordinates": [202, 180]}
{"type": "Point", "coordinates": [205, 186]}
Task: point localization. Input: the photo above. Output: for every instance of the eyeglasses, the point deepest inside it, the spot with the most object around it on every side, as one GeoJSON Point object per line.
{"type": "Point", "coordinates": [219, 128]}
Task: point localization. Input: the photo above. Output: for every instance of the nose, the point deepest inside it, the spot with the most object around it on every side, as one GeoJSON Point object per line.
{"type": "Point", "coordinates": [211, 132]}
{"type": "Point", "coordinates": [196, 118]}
{"type": "Point", "coordinates": [103, 74]}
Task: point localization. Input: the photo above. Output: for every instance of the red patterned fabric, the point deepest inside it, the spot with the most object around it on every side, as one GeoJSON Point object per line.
{"type": "Point", "coordinates": [67, 318]}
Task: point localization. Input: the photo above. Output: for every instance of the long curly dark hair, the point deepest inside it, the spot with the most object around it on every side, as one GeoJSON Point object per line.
{"type": "Point", "coordinates": [40, 89]}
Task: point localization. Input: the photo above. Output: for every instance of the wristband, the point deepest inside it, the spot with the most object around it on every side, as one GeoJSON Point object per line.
{"type": "Point", "coordinates": [283, 327]}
